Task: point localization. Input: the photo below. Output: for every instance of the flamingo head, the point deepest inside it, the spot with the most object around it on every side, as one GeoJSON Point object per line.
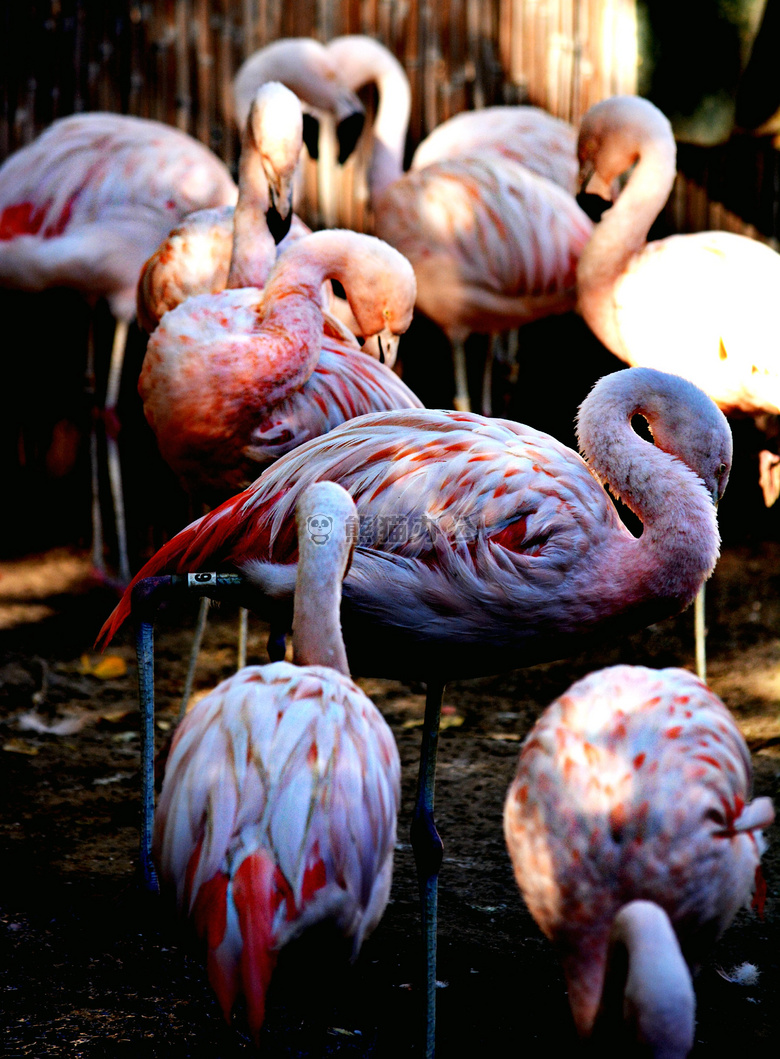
{"type": "Point", "coordinates": [613, 135]}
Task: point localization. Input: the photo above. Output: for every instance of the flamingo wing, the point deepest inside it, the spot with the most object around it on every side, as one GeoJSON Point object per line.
{"type": "Point", "coordinates": [489, 240]}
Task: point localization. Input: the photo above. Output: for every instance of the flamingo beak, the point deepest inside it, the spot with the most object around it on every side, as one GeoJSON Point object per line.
{"type": "Point", "coordinates": [387, 344]}
{"type": "Point", "coordinates": [592, 184]}
{"type": "Point", "coordinates": [279, 213]}
{"type": "Point", "coordinates": [348, 132]}
{"type": "Point", "coordinates": [311, 135]}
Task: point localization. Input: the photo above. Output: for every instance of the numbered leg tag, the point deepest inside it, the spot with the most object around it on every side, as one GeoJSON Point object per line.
{"type": "Point", "coordinates": [201, 579]}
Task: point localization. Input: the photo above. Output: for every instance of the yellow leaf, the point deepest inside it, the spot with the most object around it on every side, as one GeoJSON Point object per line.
{"type": "Point", "coordinates": [19, 746]}
{"type": "Point", "coordinates": [109, 667]}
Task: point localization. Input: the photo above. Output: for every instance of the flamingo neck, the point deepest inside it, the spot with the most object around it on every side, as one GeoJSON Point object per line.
{"type": "Point", "coordinates": [299, 273]}
{"type": "Point", "coordinates": [361, 61]}
{"type": "Point", "coordinates": [621, 235]}
{"type": "Point", "coordinates": [254, 250]}
{"type": "Point", "coordinates": [325, 536]}
{"type": "Point", "coordinates": [679, 545]}
{"type": "Point", "coordinates": [647, 984]}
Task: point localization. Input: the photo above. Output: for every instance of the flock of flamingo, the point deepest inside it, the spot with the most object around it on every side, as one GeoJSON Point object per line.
{"type": "Point", "coordinates": [401, 541]}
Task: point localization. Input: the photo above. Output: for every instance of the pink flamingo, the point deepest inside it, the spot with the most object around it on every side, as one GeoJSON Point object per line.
{"type": "Point", "coordinates": [485, 544]}
{"type": "Point", "coordinates": [630, 827]}
{"type": "Point", "coordinates": [197, 255]}
{"type": "Point", "coordinates": [305, 67]}
{"type": "Point", "coordinates": [279, 804]}
{"type": "Point", "coordinates": [700, 305]}
{"type": "Point", "coordinates": [232, 381]}
{"type": "Point", "coordinates": [542, 143]}
{"type": "Point", "coordinates": [84, 206]}
{"type": "Point", "coordinates": [493, 244]}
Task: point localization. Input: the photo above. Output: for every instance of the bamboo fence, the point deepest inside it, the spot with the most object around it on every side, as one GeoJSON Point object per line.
{"type": "Point", "coordinates": [174, 60]}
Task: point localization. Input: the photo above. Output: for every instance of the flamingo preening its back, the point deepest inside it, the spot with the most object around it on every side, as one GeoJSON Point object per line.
{"type": "Point", "coordinates": [232, 381]}
{"type": "Point", "coordinates": [279, 802]}
{"type": "Point", "coordinates": [485, 545]}
{"type": "Point", "coordinates": [84, 206]}
{"type": "Point", "coordinates": [630, 827]}
{"type": "Point", "coordinates": [493, 244]}
{"type": "Point", "coordinates": [700, 305]}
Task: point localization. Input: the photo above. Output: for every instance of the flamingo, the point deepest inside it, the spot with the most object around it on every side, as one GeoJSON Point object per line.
{"type": "Point", "coordinates": [630, 828]}
{"type": "Point", "coordinates": [484, 545]}
{"type": "Point", "coordinates": [529, 135]}
{"type": "Point", "coordinates": [84, 206]}
{"type": "Point", "coordinates": [493, 244]}
{"type": "Point", "coordinates": [232, 381]}
{"type": "Point", "coordinates": [197, 255]}
{"type": "Point", "coordinates": [305, 67]}
{"type": "Point", "coordinates": [279, 803]}
{"type": "Point", "coordinates": [700, 305]}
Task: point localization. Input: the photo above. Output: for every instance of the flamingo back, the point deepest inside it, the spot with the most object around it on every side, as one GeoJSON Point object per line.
{"type": "Point", "coordinates": [278, 812]}
{"type": "Point", "coordinates": [705, 280]}
{"type": "Point", "coordinates": [493, 245]}
{"type": "Point", "coordinates": [528, 135]}
{"type": "Point", "coordinates": [123, 180]}
{"type": "Point", "coordinates": [634, 784]}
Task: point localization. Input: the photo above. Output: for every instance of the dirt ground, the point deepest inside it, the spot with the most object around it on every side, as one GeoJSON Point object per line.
{"type": "Point", "coordinates": [91, 967]}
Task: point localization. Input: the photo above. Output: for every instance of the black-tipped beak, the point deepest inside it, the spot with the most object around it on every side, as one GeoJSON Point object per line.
{"type": "Point", "coordinates": [311, 135]}
{"type": "Point", "coordinates": [593, 205]}
{"type": "Point", "coordinates": [348, 131]}
{"type": "Point", "coordinates": [278, 225]}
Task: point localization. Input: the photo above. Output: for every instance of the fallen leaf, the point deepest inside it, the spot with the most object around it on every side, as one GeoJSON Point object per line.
{"type": "Point", "coordinates": [20, 746]}
{"type": "Point", "coordinates": [105, 667]}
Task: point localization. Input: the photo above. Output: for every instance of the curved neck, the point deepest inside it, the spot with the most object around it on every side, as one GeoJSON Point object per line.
{"type": "Point", "coordinates": [325, 542]}
{"type": "Point", "coordinates": [632, 986]}
{"type": "Point", "coordinates": [254, 249]}
{"type": "Point", "coordinates": [621, 234]}
{"type": "Point", "coordinates": [648, 981]}
{"type": "Point", "coordinates": [363, 60]}
{"type": "Point", "coordinates": [300, 272]}
{"type": "Point", "coordinates": [679, 545]}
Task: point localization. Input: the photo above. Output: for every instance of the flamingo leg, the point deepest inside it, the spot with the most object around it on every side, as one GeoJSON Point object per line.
{"type": "Point", "coordinates": [112, 445]}
{"type": "Point", "coordinates": [461, 401]}
{"type": "Point", "coordinates": [144, 646]}
{"type": "Point", "coordinates": [700, 635]}
{"type": "Point", "coordinates": [243, 632]}
{"type": "Point", "coordinates": [197, 640]}
{"type": "Point", "coordinates": [487, 377]}
{"type": "Point", "coordinates": [98, 561]}
{"type": "Point", "coordinates": [147, 596]}
{"type": "Point", "coordinates": [428, 851]}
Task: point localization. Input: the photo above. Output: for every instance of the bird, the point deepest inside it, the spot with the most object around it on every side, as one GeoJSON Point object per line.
{"type": "Point", "coordinates": [232, 381]}
{"type": "Point", "coordinates": [698, 304]}
{"type": "Point", "coordinates": [484, 545]}
{"type": "Point", "coordinates": [493, 244]}
{"type": "Point", "coordinates": [280, 796]}
{"type": "Point", "coordinates": [630, 828]}
{"type": "Point", "coordinates": [83, 206]}
{"type": "Point", "coordinates": [529, 135]}
{"type": "Point", "coordinates": [197, 255]}
{"type": "Point", "coordinates": [304, 66]}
